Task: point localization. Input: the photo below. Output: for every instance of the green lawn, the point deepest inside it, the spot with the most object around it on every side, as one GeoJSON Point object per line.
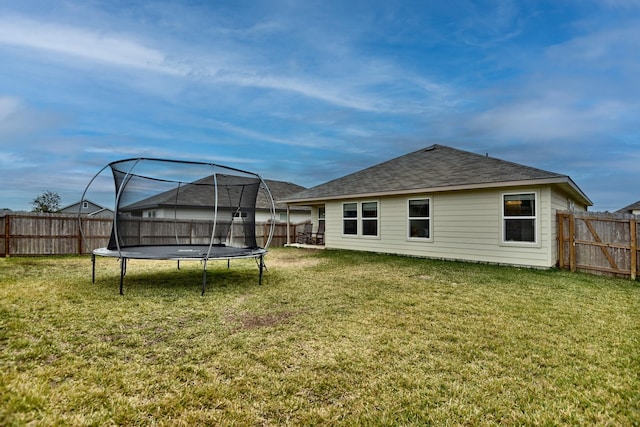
{"type": "Point", "coordinates": [331, 337]}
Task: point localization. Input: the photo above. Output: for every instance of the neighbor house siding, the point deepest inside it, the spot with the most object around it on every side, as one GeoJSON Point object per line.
{"type": "Point", "coordinates": [207, 214]}
{"type": "Point", "coordinates": [466, 225]}
{"type": "Point", "coordinates": [294, 217]}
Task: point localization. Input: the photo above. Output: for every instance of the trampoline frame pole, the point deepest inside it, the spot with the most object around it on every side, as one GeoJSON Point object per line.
{"type": "Point", "coordinates": [93, 268]}
{"type": "Point", "coordinates": [123, 271]}
{"type": "Point", "coordinates": [261, 268]}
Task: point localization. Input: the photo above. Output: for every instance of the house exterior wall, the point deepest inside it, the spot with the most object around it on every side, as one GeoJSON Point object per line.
{"type": "Point", "coordinates": [465, 225]}
{"type": "Point", "coordinates": [206, 214]}
{"type": "Point", "coordinates": [295, 217]}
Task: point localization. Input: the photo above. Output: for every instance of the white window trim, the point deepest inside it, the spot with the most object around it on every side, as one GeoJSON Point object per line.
{"type": "Point", "coordinates": [535, 217]}
{"type": "Point", "coordinates": [359, 220]}
{"type": "Point", "coordinates": [430, 218]}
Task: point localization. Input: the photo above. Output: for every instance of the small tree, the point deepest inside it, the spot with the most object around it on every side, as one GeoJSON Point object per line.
{"type": "Point", "coordinates": [47, 202]}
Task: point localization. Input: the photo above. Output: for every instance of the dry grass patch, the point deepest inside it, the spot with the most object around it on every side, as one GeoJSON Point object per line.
{"type": "Point", "coordinates": [298, 258]}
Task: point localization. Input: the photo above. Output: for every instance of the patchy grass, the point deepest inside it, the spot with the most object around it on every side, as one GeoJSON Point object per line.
{"type": "Point", "coordinates": [331, 337]}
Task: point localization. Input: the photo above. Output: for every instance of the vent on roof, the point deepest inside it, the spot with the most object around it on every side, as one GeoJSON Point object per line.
{"type": "Point", "coordinates": [433, 147]}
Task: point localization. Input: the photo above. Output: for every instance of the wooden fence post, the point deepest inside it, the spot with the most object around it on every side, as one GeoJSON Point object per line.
{"type": "Point", "coordinates": [79, 236]}
{"type": "Point", "coordinates": [7, 235]}
{"type": "Point", "coordinates": [560, 230]}
{"type": "Point", "coordinates": [634, 248]}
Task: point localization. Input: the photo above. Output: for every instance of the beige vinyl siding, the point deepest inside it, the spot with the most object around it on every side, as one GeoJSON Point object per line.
{"type": "Point", "coordinates": [466, 225]}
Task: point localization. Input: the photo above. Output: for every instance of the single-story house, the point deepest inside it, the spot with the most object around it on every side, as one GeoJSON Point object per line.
{"type": "Point", "coordinates": [89, 208]}
{"type": "Point", "coordinates": [633, 209]}
{"type": "Point", "coordinates": [200, 203]}
{"type": "Point", "coordinates": [442, 202]}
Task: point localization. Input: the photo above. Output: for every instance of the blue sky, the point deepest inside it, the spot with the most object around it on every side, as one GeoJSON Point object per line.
{"type": "Point", "coordinates": [308, 91]}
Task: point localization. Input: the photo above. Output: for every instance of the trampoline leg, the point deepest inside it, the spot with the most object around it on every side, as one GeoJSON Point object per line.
{"type": "Point", "coordinates": [228, 264]}
{"type": "Point", "coordinates": [204, 277]}
{"type": "Point", "coordinates": [93, 268]}
{"type": "Point", "coordinates": [178, 264]}
{"type": "Point", "coordinates": [123, 270]}
{"type": "Point", "coordinates": [261, 268]}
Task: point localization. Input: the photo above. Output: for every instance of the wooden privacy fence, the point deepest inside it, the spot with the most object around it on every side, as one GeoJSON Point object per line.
{"type": "Point", "coordinates": [601, 243]}
{"type": "Point", "coordinates": [57, 234]}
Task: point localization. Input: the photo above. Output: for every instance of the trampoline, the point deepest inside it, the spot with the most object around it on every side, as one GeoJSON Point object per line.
{"type": "Point", "coordinates": [182, 211]}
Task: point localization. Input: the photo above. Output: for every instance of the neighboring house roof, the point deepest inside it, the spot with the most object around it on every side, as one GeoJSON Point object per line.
{"type": "Point", "coordinates": [432, 169]}
{"type": "Point", "coordinates": [631, 208]}
{"type": "Point", "coordinates": [279, 190]}
{"type": "Point", "coordinates": [93, 209]}
{"type": "Point", "coordinates": [198, 194]}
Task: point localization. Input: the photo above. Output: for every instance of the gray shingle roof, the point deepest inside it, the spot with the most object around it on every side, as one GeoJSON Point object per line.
{"type": "Point", "coordinates": [632, 207]}
{"type": "Point", "coordinates": [201, 194]}
{"type": "Point", "coordinates": [279, 190]}
{"type": "Point", "coordinates": [434, 167]}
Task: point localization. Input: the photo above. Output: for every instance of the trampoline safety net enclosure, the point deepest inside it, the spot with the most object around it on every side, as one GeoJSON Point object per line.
{"type": "Point", "coordinates": [181, 210]}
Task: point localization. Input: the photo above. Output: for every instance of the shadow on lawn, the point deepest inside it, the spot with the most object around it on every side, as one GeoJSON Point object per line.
{"type": "Point", "coordinates": [185, 280]}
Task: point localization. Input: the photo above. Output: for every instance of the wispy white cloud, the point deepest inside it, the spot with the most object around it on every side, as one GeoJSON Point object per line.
{"type": "Point", "coordinates": [18, 120]}
{"type": "Point", "coordinates": [609, 48]}
{"type": "Point", "coordinates": [354, 87]}
{"type": "Point", "coordinates": [8, 107]}
{"type": "Point", "coordinates": [83, 43]}
{"type": "Point", "coordinates": [488, 26]}
{"type": "Point", "coordinates": [12, 161]}
{"type": "Point", "coordinates": [544, 121]}
{"type": "Point", "coordinates": [621, 4]}
{"type": "Point", "coordinates": [120, 151]}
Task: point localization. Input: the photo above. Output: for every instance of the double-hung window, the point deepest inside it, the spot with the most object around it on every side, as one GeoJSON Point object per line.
{"type": "Point", "coordinates": [350, 219]}
{"type": "Point", "coordinates": [419, 221]}
{"type": "Point", "coordinates": [369, 218]}
{"type": "Point", "coordinates": [360, 219]}
{"type": "Point", "coordinates": [519, 216]}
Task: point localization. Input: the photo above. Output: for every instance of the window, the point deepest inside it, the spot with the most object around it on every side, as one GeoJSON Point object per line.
{"type": "Point", "coordinates": [321, 214]}
{"type": "Point", "coordinates": [370, 219]}
{"type": "Point", "coordinates": [85, 205]}
{"type": "Point", "coordinates": [360, 219]}
{"type": "Point", "coordinates": [519, 216]}
{"type": "Point", "coordinates": [419, 219]}
{"type": "Point", "coordinates": [350, 218]}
